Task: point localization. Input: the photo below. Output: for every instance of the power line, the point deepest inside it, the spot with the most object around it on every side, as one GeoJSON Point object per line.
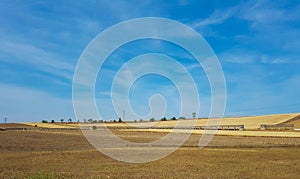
{"type": "Point", "coordinates": [123, 115]}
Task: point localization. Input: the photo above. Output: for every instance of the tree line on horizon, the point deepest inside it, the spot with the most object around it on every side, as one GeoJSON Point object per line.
{"type": "Point", "coordinates": [119, 120]}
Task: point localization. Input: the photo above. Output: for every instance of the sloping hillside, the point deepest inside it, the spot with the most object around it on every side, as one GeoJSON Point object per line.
{"type": "Point", "coordinates": [251, 122]}
{"type": "Point", "coordinates": [295, 121]}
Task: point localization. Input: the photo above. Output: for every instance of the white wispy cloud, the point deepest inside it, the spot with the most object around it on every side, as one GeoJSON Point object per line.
{"type": "Point", "coordinates": [247, 56]}
{"type": "Point", "coordinates": [241, 56]}
{"type": "Point", "coordinates": [217, 17]}
{"type": "Point", "coordinates": [35, 57]}
{"type": "Point", "coordinates": [268, 13]}
{"type": "Point", "coordinates": [271, 26]}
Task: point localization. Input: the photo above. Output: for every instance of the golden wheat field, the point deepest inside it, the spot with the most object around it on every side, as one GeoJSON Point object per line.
{"type": "Point", "coordinates": [250, 122]}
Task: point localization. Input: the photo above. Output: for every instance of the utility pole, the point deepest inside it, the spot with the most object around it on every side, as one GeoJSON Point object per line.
{"type": "Point", "coordinates": [123, 115]}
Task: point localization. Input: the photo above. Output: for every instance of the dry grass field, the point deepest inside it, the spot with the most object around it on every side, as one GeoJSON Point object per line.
{"type": "Point", "coordinates": [67, 154]}
{"type": "Point", "coordinates": [296, 123]}
{"type": "Point", "coordinates": [51, 125]}
{"type": "Point", "coordinates": [231, 154]}
{"type": "Point", "coordinates": [251, 122]}
{"type": "Point", "coordinates": [252, 125]}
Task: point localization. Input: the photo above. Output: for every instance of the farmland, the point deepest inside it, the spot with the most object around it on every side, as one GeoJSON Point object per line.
{"type": "Point", "coordinates": [67, 154]}
{"type": "Point", "coordinates": [250, 122]}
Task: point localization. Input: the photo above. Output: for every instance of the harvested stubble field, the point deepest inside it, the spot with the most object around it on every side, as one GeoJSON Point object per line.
{"type": "Point", "coordinates": [67, 154]}
{"type": "Point", "coordinates": [51, 125]}
{"type": "Point", "coordinates": [249, 122]}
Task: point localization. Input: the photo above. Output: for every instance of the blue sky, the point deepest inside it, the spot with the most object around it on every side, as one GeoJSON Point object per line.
{"type": "Point", "coordinates": [256, 42]}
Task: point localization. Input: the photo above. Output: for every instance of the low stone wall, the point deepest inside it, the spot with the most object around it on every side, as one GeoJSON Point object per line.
{"type": "Point", "coordinates": [277, 127]}
{"type": "Point", "coordinates": [221, 127]}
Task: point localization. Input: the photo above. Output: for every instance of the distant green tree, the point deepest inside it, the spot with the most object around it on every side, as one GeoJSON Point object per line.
{"type": "Point", "coordinates": [61, 120]}
{"type": "Point", "coordinates": [120, 120]}
{"type": "Point", "coordinates": [52, 121]}
{"type": "Point", "coordinates": [163, 119]}
{"type": "Point", "coordinates": [194, 114]}
{"type": "Point", "coordinates": [181, 117]}
{"type": "Point", "coordinates": [173, 118]}
{"type": "Point", "coordinates": [70, 120]}
{"type": "Point", "coordinates": [152, 120]}
{"type": "Point", "coordinates": [44, 121]}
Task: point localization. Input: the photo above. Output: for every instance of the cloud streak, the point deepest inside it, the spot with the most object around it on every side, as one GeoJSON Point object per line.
{"type": "Point", "coordinates": [217, 17]}
{"type": "Point", "coordinates": [36, 58]}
